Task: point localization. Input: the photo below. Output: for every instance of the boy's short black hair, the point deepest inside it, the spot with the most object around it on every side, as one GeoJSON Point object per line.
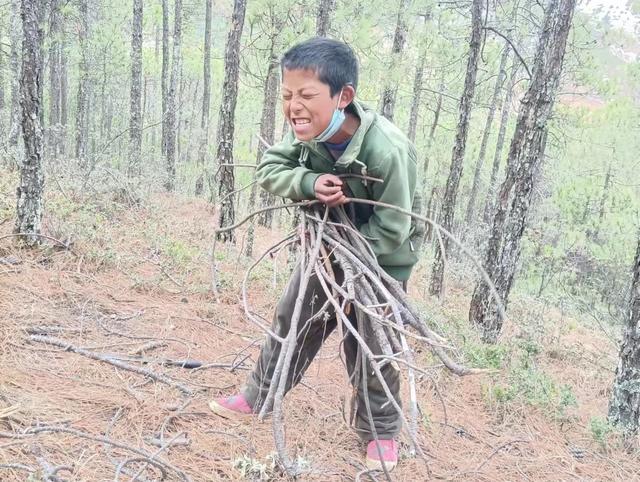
{"type": "Point", "coordinates": [334, 62]}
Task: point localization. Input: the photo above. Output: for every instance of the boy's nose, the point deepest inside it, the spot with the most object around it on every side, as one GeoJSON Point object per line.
{"type": "Point", "coordinates": [296, 107]}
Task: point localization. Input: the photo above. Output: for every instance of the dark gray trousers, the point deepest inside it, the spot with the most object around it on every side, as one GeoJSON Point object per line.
{"type": "Point", "coordinates": [386, 420]}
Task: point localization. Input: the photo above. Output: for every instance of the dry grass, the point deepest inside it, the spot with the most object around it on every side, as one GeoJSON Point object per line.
{"type": "Point", "coordinates": [142, 274]}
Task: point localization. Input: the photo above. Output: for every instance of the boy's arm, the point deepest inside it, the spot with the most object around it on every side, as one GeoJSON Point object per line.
{"type": "Point", "coordinates": [280, 172]}
{"type": "Point", "coordinates": [388, 229]}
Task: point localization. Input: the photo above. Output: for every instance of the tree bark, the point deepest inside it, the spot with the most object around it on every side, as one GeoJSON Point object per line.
{"type": "Point", "coordinates": [604, 198]}
{"type": "Point", "coordinates": [206, 99]}
{"type": "Point", "coordinates": [16, 47]}
{"type": "Point", "coordinates": [430, 207]}
{"type": "Point", "coordinates": [502, 131]}
{"type": "Point", "coordinates": [29, 204]}
{"type": "Point", "coordinates": [165, 72]}
{"type": "Point", "coordinates": [64, 97]}
{"type": "Point", "coordinates": [526, 154]}
{"type": "Point", "coordinates": [268, 129]}
{"type": "Point", "coordinates": [82, 113]}
{"type": "Point", "coordinates": [135, 97]}
{"type": "Point", "coordinates": [323, 17]}
{"type": "Point", "coordinates": [2, 96]}
{"type": "Point", "coordinates": [224, 153]}
{"type": "Point", "coordinates": [502, 74]}
{"type": "Point", "coordinates": [624, 406]}
{"type": "Point", "coordinates": [390, 92]}
{"type": "Point", "coordinates": [171, 116]}
{"type": "Point", "coordinates": [55, 78]}
{"type": "Point", "coordinates": [415, 100]}
{"type": "Point", "coordinates": [457, 157]}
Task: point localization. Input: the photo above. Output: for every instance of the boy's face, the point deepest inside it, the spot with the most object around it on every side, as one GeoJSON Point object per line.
{"type": "Point", "coordinates": [307, 103]}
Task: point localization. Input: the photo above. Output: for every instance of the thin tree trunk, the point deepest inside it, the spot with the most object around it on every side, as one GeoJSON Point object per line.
{"type": "Point", "coordinates": [415, 101]}
{"type": "Point", "coordinates": [430, 209]}
{"type": "Point", "coordinates": [497, 157]}
{"type": "Point", "coordinates": [16, 47]}
{"type": "Point", "coordinates": [391, 89]}
{"type": "Point", "coordinates": [268, 129]}
{"type": "Point", "coordinates": [165, 73]}
{"type": "Point", "coordinates": [172, 124]}
{"type": "Point", "coordinates": [604, 198]}
{"type": "Point", "coordinates": [135, 98]}
{"type": "Point", "coordinates": [55, 79]}
{"type": "Point", "coordinates": [624, 406]}
{"type": "Point", "coordinates": [226, 124]}
{"type": "Point", "coordinates": [323, 17]}
{"type": "Point", "coordinates": [29, 205]}
{"type": "Point", "coordinates": [43, 14]}
{"type": "Point", "coordinates": [526, 155]}
{"type": "Point", "coordinates": [82, 113]}
{"type": "Point", "coordinates": [2, 99]}
{"type": "Point", "coordinates": [64, 97]}
{"type": "Point", "coordinates": [206, 100]}
{"type": "Point", "coordinates": [502, 74]}
{"type": "Point", "coordinates": [457, 157]}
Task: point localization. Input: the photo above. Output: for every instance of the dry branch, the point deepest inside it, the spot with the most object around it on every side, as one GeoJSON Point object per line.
{"type": "Point", "coordinates": [117, 363]}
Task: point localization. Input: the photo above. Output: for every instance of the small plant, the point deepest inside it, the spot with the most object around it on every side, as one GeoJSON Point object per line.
{"type": "Point", "coordinates": [269, 469]}
{"type": "Point", "coordinates": [254, 469]}
{"type": "Point", "coordinates": [486, 356]}
{"type": "Point", "coordinates": [600, 429]}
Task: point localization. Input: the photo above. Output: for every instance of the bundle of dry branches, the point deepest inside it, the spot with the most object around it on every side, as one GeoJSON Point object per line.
{"type": "Point", "coordinates": [327, 238]}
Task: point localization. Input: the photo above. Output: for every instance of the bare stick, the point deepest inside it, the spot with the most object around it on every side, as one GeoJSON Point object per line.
{"type": "Point", "coordinates": [124, 366]}
{"type": "Point", "coordinates": [289, 347]}
{"type": "Point", "coordinates": [47, 429]}
{"type": "Point", "coordinates": [371, 357]}
{"type": "Point", "coordinates": [484, 274]}
{"type": "Point", "coordinates": [156, 453]}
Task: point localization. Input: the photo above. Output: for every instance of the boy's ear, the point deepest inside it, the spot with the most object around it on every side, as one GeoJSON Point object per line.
{"type": "Point", "coordinates": [348, 94]}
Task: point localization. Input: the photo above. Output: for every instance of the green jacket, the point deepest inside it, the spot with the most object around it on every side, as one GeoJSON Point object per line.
{"type": "Point", "coordinates": [378, 149]}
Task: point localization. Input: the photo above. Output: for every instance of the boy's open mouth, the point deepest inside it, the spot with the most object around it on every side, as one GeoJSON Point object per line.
{"type": "Point", "coordinates": [300, 122]}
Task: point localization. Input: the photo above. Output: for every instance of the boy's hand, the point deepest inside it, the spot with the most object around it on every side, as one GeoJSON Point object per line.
{"type": "Point", "coordinates": [328, 189]}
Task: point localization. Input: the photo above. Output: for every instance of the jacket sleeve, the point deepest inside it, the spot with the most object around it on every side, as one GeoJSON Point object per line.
{"type": "Point", "coordinates": [387, 229]}
{"type": "Point", "coordinates": [280, 172]}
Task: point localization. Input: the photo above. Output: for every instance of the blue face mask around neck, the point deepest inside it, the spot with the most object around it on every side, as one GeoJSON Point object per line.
{"type": "Point", "coordinates": [337, 119]}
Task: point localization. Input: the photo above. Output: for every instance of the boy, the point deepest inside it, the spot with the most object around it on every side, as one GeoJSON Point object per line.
{"type": "Point", "coordinates": [331, 134]}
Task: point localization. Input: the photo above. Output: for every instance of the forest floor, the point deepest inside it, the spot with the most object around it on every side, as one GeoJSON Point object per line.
{"type": "Point", "coordinates": [141, 274]}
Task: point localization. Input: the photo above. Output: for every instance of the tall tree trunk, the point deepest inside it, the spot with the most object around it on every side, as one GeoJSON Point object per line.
{"type": "Point", "coordinates": [16, 47]}
{"type": "Point", "coordinates": [430, 208]}
{"type": "Point", "coordinates": [29, 205]}
{"type": "Point", "coordinates": [43, 14]}
{"type": "Point", "coordinates": [323, 17]}
{"type": "Point", "coordinates": [457, 157]}
{"type": "Point", "coordinates": [502, 74]}
{"type": "Point", "coordinates": [268, 129]}
{"type": "Point", "coordinates": [82, 113]}
{"type": "Point", "coordinates": [172, 125]}
{"type": "Point", "coordinates": [55, 79]}
{"type": "Point", "coordinates": [624, 406]}
{"type": "Point", "coordinates": [2, 99]}
{"type": "Point", "coordinates": [604, 198]}
{"type": "Point", "coordinates": [268, 133]}
{"type": "Point", "coordinates": [502, 131]}
{"type": "Point", "coordinates": [165, 73]}
{"type": "Point", "coordinates": [525, 159]}
{"type": "Point", "coordinates": [135, 98]}
{"type": "Point", "coordinates": [64, 96]}
{"type": "Point", "coordinates": [224, 153]}
{"type": "Point", "coordinates": [391, 89]}
{"type": "Point", "coordinates": [415, 100]}
{"type": "Point", "coordinates": [206, 100]}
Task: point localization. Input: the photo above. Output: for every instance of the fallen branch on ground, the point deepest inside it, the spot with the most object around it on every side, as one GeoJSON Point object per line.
{"type": "Point", "coordinates": [117, 363]}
